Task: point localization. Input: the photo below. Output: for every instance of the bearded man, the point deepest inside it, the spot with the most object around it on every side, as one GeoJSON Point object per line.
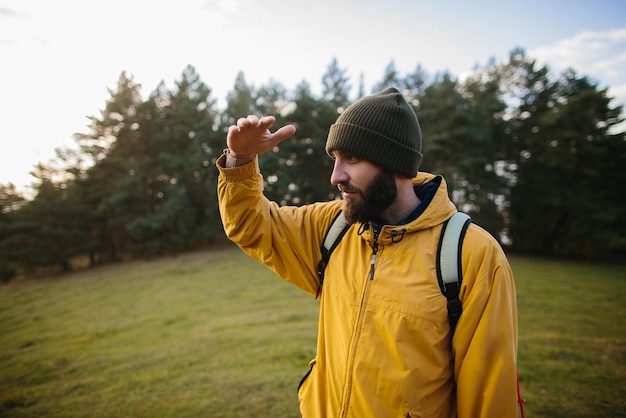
{"type": "Point", "coordinates": [385, 347]}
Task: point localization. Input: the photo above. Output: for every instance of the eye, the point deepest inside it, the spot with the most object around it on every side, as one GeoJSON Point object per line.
{"type": "Point", "coordinates": [345, 157]}
{"type": "Point", "coordinates": [350, 158]}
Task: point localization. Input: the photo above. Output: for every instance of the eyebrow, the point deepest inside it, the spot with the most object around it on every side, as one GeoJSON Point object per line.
{"type": "Point", "coordinates": [344, 154]}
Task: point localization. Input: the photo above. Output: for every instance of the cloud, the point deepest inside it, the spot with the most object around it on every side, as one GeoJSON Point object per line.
{"type": "Point", "coordinates": [617, 95]}
{"type": "Point", "coordinates": [6, 12]}
{"type": "Point", "coordinates": [599, 55]}
{"type": "Point", "coordinates": [8, 19]}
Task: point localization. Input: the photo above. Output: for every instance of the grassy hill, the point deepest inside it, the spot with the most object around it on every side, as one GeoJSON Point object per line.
{"type": "Point", "coordinates": [215, 334]}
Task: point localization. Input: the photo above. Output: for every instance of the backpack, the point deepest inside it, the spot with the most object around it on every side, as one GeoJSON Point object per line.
{"type": "Point", "coordinates": [449, 266]}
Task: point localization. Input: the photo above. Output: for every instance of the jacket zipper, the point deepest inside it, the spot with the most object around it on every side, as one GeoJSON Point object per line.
{"type": "Point", "coordinates": [374, 251]}
{"type": "Point", "coordinates": [359, 325]}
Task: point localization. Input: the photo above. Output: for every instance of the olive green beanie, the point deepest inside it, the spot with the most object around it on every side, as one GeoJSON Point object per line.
{"type": "Point", "coordinates": [381, 128]}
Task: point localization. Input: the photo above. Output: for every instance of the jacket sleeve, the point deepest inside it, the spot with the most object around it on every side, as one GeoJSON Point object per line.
{"type": "Point", "coordinates": [286, 239]}
{"type": "Point", "coordinates": [485, 341]}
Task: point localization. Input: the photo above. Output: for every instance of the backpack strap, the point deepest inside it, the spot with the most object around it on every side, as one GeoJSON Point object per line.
{"type": "Point", "coordinates": [335, 232]}
{"type": "Point", "coordinates": [449, 266]}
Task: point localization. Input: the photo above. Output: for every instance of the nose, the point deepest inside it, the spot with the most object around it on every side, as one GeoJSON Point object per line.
{"type": "Point", "coordinates": [338, 175]}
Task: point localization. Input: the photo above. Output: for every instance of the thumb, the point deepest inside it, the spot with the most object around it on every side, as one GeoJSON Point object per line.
{"type": "Point", "coordinates": [283, 133]}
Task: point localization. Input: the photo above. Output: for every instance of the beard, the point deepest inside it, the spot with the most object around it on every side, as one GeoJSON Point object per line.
{"type": "Point", "coordinates": [374, 200]}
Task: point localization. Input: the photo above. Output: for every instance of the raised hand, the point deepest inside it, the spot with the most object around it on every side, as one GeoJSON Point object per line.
{"type": "Point", "coordinates": [251, 136]}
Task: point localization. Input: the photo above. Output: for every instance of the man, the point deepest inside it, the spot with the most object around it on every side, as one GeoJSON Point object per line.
{"type": "Point", "coordinates": [385, 347]}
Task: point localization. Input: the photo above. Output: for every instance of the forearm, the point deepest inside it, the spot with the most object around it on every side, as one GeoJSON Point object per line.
{"type": "Point", "coordinates": [240, 195]}
{"type": "Point", "coordinates": [285, 239]}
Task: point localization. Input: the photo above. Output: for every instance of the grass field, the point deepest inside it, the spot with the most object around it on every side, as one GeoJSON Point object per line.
{"type": "Point", "coordinates": [215, 334]}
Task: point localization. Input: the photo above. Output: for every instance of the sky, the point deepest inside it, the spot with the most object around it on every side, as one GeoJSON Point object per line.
{"type": "Point", "coordinates": [58, 59]}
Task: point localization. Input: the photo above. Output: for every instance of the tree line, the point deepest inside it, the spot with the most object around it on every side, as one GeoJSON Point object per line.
{"type": "Point", "coordinates": [536, 158]}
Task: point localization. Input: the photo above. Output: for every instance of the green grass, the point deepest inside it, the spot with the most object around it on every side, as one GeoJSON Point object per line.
{"type": "Point", "coordinates": [572, 351]}
{"type": "Point", "coordinates": [204, 334]}
{"type": "Point", "coordinates": [215, 334]}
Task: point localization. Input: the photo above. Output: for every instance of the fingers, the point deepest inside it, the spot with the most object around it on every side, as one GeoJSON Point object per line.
{"type": "Point", "coordinates": [284, 133]}
{"type": "Point", "coordinates": [243, 123]}
{"type": "Point", "coordinates": [266, 121]}
{"type": "Point", "coordinates": [233, 129]}
{"type": "Point", "coordinates": [251, 135]}
{"type": "Point", "coordinates": [252, 121]}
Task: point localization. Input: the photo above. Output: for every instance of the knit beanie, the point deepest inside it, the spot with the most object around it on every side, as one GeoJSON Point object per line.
{"type": "Point", "coordinates": [381, 128]}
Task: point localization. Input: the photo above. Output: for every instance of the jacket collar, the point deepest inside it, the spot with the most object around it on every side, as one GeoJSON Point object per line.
{"type": "Point", "coordinates": [435, 209]}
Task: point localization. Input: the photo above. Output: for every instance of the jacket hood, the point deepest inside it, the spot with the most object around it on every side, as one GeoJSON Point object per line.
{"type": "Point", "coordinates": [440, 207]}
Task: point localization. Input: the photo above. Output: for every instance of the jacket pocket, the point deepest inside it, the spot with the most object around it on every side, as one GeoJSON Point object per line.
{"type": "Point", "coordinates": [302, 386]}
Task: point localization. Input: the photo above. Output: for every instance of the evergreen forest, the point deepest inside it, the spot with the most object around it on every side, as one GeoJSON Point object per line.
{"type": "Point", "coordinates": [536, 158]}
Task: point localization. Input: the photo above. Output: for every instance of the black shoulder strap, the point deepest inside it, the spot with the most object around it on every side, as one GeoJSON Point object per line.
{"type": "Point", "coordinates": [449, 266]}
{"type": "Point", "coordinates": [335, 232]}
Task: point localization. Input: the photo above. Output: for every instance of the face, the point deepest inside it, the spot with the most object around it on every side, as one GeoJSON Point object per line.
{"type": "Point", "coordinates": [367, 189]}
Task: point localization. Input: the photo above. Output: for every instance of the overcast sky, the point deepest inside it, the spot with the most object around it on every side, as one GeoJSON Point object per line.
{"type": "Point", "coordinates": [59, 57]}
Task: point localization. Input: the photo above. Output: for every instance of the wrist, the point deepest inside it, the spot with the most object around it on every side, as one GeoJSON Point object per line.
{"type": "Point", "coordinates": [239, 156]}
{"type": "Point", "coordinates": [236, 160]}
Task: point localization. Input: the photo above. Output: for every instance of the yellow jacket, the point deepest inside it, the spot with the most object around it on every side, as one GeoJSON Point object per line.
{"type": "Point", "coordinates": [384, 346]}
